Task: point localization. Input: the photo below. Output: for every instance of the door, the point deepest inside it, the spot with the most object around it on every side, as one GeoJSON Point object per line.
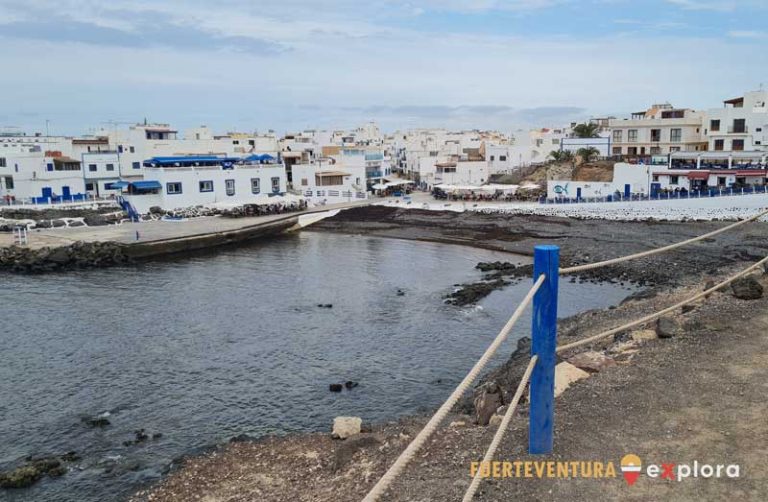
{"type": "Point", "coordinates": [627, 190]}
{"type": "Point", "coordinates": [47, 192]}
{"type": "Point", "coordinates": [65, 192]}
{"type": "Point", "coordinates": [655, 188]}
{"type": "Point", "coordinates": [578, 193]}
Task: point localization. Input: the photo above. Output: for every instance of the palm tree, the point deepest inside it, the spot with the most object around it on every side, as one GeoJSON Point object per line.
{"type": "Point", "coordinates": [586, 130]}
{"type": "Point", "coordinates": [588, 153]}
{"type": "Point", "coordinates": [561, 155]}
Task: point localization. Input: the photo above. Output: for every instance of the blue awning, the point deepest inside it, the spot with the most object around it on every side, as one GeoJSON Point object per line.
{"type": "Point", "coordinates": [120, 184]}
{"type": "Point", "coordinates": [146, 185]}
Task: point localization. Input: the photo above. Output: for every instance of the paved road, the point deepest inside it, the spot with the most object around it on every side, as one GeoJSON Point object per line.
{"type": "Point", "coordinates": [154, 230]}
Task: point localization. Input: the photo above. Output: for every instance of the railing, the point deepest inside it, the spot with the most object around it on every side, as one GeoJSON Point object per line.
{"type": "Point", "coordinates": [59, 199]}
{"type": "Point", "coordinates": [540, 370]}
{"type": "Point", "coordinates": [688, 194]}
{"type": "Point", "coordinates": [738, 130]}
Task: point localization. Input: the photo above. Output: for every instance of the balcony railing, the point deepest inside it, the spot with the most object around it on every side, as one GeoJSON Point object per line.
{"type": "Point", "coordinates": [738, 130]}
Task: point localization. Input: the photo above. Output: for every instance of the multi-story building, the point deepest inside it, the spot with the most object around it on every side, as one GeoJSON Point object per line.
{"type": "Point", "coordinates": [741, 125]}
{"type": "Point", "coordinates": [660, 130]}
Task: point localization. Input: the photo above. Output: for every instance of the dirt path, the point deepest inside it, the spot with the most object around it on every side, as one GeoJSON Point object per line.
{"type": "Point", "coordinates": [697, 396]}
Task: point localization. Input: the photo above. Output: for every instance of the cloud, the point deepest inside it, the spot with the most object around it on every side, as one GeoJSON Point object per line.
{"type": "Point", "coordinates": [717, 6]}
{"type": "Point", "coordinates": [147, 29]}
{"type": "Point", "coordinates": [748, 34]}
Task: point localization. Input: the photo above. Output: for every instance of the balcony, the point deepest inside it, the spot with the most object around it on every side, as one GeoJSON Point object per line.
{"type": "Point", "coordinates": [738, 130]}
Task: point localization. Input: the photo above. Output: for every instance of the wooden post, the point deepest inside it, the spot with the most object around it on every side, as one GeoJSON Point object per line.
{"type": "Point", "coordinates": [544, 341]}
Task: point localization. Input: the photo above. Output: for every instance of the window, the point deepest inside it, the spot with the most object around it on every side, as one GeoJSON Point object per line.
{"type": "Point", "coordinates": [674, 149]}
{"type": "Point", "coordinates": [539, 142]}
{"type": "Point", "coordinates": [721, 180]}
{"type": "Point", "coordinates": [255, 185]}
{"type": "Point", "coordinates": [632, 150]}
{"type": "Point", "coordinates": [304, 182]}
{"type": "Point", "coordinates": [719, 144]}
{"type": "Point", "coordinates": [108, 186]}
{"type": "Point", "coordinates": [132, 149]}
{"type": "Point", "coordinates": [49, 166]}
{"type": "Point", "coordinates": [137, 165]}
{"type": "Point", "coordinates": [556, 141]}
{"type": "Point", "coordinates": [617, 136]}
{"type": "Point", "coordinates": [92, 167]}
{"type": "Point", "coordinates": [236, 142]}
{"type": "Point", "coordinates": [673, 180]}
{"type": "Point", "coordinates": [276, 184]}
{"type": "Point", "coordinates": [675, 135]}
{"type": "Point", "coordinates": [89, 187]}
{"type": "Point", "coordinates": [173, 188]}
{"type": "Point", "coordinates": [503, 158]}
{"type": "Point", "coordinates": [739, 125]}
{"type": "Point", "coordinates": [737, 144]}
{"type": "Point", "coordinates": [9, 183]}
{"type": "Point", "coordinates": [632, 135]}
{"type": "Point", "coordinates": [655, 135]}
{"type": "Point", "coordinates": [2, 162]}
{"type": "Point", "coordinates": [230, 186]}
{"type": "Point", "coordinates": [655, 177]}
{"type": "Point", "coordinates": [617, 150]}
{"type": "Point", "coordinates": [206, 186]}
{"type": "Point", "coordinates": [656, 150]}
{"type": "Point", "coordinates": [714, 125]}
{"type": "Point", "coordinates": [492, 158]}
{"type": "Point", "coordinates": [119, 148]}
{"type": "Point", "coordinates": [673, 114]}
{"type": "Point", "coordinates": [110, 167]}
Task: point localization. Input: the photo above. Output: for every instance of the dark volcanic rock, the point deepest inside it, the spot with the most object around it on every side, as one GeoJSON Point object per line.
{"type": "Point", "coordinates": [487, 399]}
{"type": "Point", "coordinates": [335, 387]}
{"type": "Point", "coordinates": [667, 327]}
{"type": "Point", "coordinates": [29, 473]}
{"type": "Point", "coordinates": [77, 255]}
{"type": "Point", "coordinates": [747, 288]}
{"type": "Point", "coordinates": [472, 293]}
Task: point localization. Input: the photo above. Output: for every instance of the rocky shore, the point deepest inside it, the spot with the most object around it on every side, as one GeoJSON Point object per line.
{"type": "Point", "coordinates": [76, 256]}
{"type": "Point", "coordinates": [682, 383]}
{"type": "Point", "coordinates": [56, 217]}
{"type": "Point", "coordinates": [624, 378]}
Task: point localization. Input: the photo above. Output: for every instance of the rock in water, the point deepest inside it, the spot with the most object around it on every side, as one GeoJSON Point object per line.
{"type": "Point", "coordinates": [667, 327]}
{"type": "Point", "coordinates": [335, 387]}
{"type": "Point", "coordinates": [344, 427]}
{"type": "Point", "coordinates": [747, 288]}
{"type": "Point", "coordinates": [350, 384]}
{"type": "Point", "coordinates": [487, 399]}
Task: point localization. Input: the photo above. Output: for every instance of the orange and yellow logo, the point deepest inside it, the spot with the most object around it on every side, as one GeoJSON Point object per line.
{"type": "Point", "coordinates": [631, 465]}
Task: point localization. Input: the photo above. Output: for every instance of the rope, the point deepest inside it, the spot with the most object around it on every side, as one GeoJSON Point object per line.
{"type": "Point", "coordinates": [590, 266]}
{"type": "Point", "coordinates": [660, 313]}
{"type": "Point", "coordinates": [489, 454]}
{"type": "Point", "coordinates": [402, 461]}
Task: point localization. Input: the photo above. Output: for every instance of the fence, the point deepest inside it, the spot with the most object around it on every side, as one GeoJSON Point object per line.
{"type": "Point", "coordinates": [69, 200]}
{"type": "Point", "coordinates": [688, 194]}
{"type": "Point", "coordinates": [540, 371]}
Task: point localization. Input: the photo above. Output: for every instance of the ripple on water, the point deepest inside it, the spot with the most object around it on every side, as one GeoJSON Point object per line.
{"type": "Point", "coordinates": [205, 348]}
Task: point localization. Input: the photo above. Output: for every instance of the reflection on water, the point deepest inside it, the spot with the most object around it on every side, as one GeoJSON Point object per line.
{"type": "Point", "coordinates": [206, 348]}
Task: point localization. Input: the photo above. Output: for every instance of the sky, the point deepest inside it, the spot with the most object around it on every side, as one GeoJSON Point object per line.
{"type": "Point", "coordinates": [290, 65]}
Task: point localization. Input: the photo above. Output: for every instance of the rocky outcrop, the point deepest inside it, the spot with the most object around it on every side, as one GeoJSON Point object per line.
{"type": "Point", "coordinates": [591, 361]}
{"type": "Point", "coordinates": [747, 288]}
{"type": "Point", "coordinates": [344, 427]}
{"type": "Point", "coordinates": [78, 255]}
{"type": "Point", "coordinates": [667, 327]}
{"type": "Point", "coordinates": [487, 399]}
{"type": "Point", "coordinates": [34, 469]}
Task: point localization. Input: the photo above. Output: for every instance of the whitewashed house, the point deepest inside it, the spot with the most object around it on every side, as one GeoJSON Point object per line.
{"type": "Point", "coordinates": [100, 171]}
{"type": "Point", "coordinates": [328, 181]}
{"type": "Point", "coordinates": [740, 125]}
{"type": "Point", "coordinates": [43, 178]}
{"type": "Point", "coordinates": [186, 181]}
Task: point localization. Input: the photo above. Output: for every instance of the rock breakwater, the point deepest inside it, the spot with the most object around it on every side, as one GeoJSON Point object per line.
{"type": "Point", "coordinates": [77, 255]}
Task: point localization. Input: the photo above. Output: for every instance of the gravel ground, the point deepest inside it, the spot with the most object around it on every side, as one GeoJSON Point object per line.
{"type": "Point", "coordinates": [697, 396]}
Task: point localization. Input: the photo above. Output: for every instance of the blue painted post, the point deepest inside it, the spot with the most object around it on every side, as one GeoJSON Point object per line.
{"type": "Point", "coordinates": [546, 260]}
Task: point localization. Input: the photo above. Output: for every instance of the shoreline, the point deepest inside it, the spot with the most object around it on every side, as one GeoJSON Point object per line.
{"type": "Point", "coordinates": [275, 467]}
{"type": "Point", "coordinates": [348, 468]}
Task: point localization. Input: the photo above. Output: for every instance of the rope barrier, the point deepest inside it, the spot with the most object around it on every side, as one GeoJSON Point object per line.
{"type": "Point", "coordinates": [470, 493]}
{"type": "Point", "coordinates": [660, 313]}
{"type": "Point", "coordinates": [590, 266]}
{"type": "Point", "coordinates": [402, 461]}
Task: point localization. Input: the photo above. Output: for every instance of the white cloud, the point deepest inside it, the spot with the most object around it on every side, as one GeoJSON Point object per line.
{"type": "Point", "coordinates": [748, 34]}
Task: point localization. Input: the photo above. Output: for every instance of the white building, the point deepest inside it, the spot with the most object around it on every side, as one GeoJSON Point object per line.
{"type": "Point", "coordinates": [100, 171]}
{"type": "Point", "coordinates": [741, 125]}
{"type": "Point", "coordinates": [324, 180]}
{"type": "Point", "coordinates": [660, 130]}
{"type": "Point", "coordinates": [44, 178]}
{"type": "Point", "coordinates": [180, 182]}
